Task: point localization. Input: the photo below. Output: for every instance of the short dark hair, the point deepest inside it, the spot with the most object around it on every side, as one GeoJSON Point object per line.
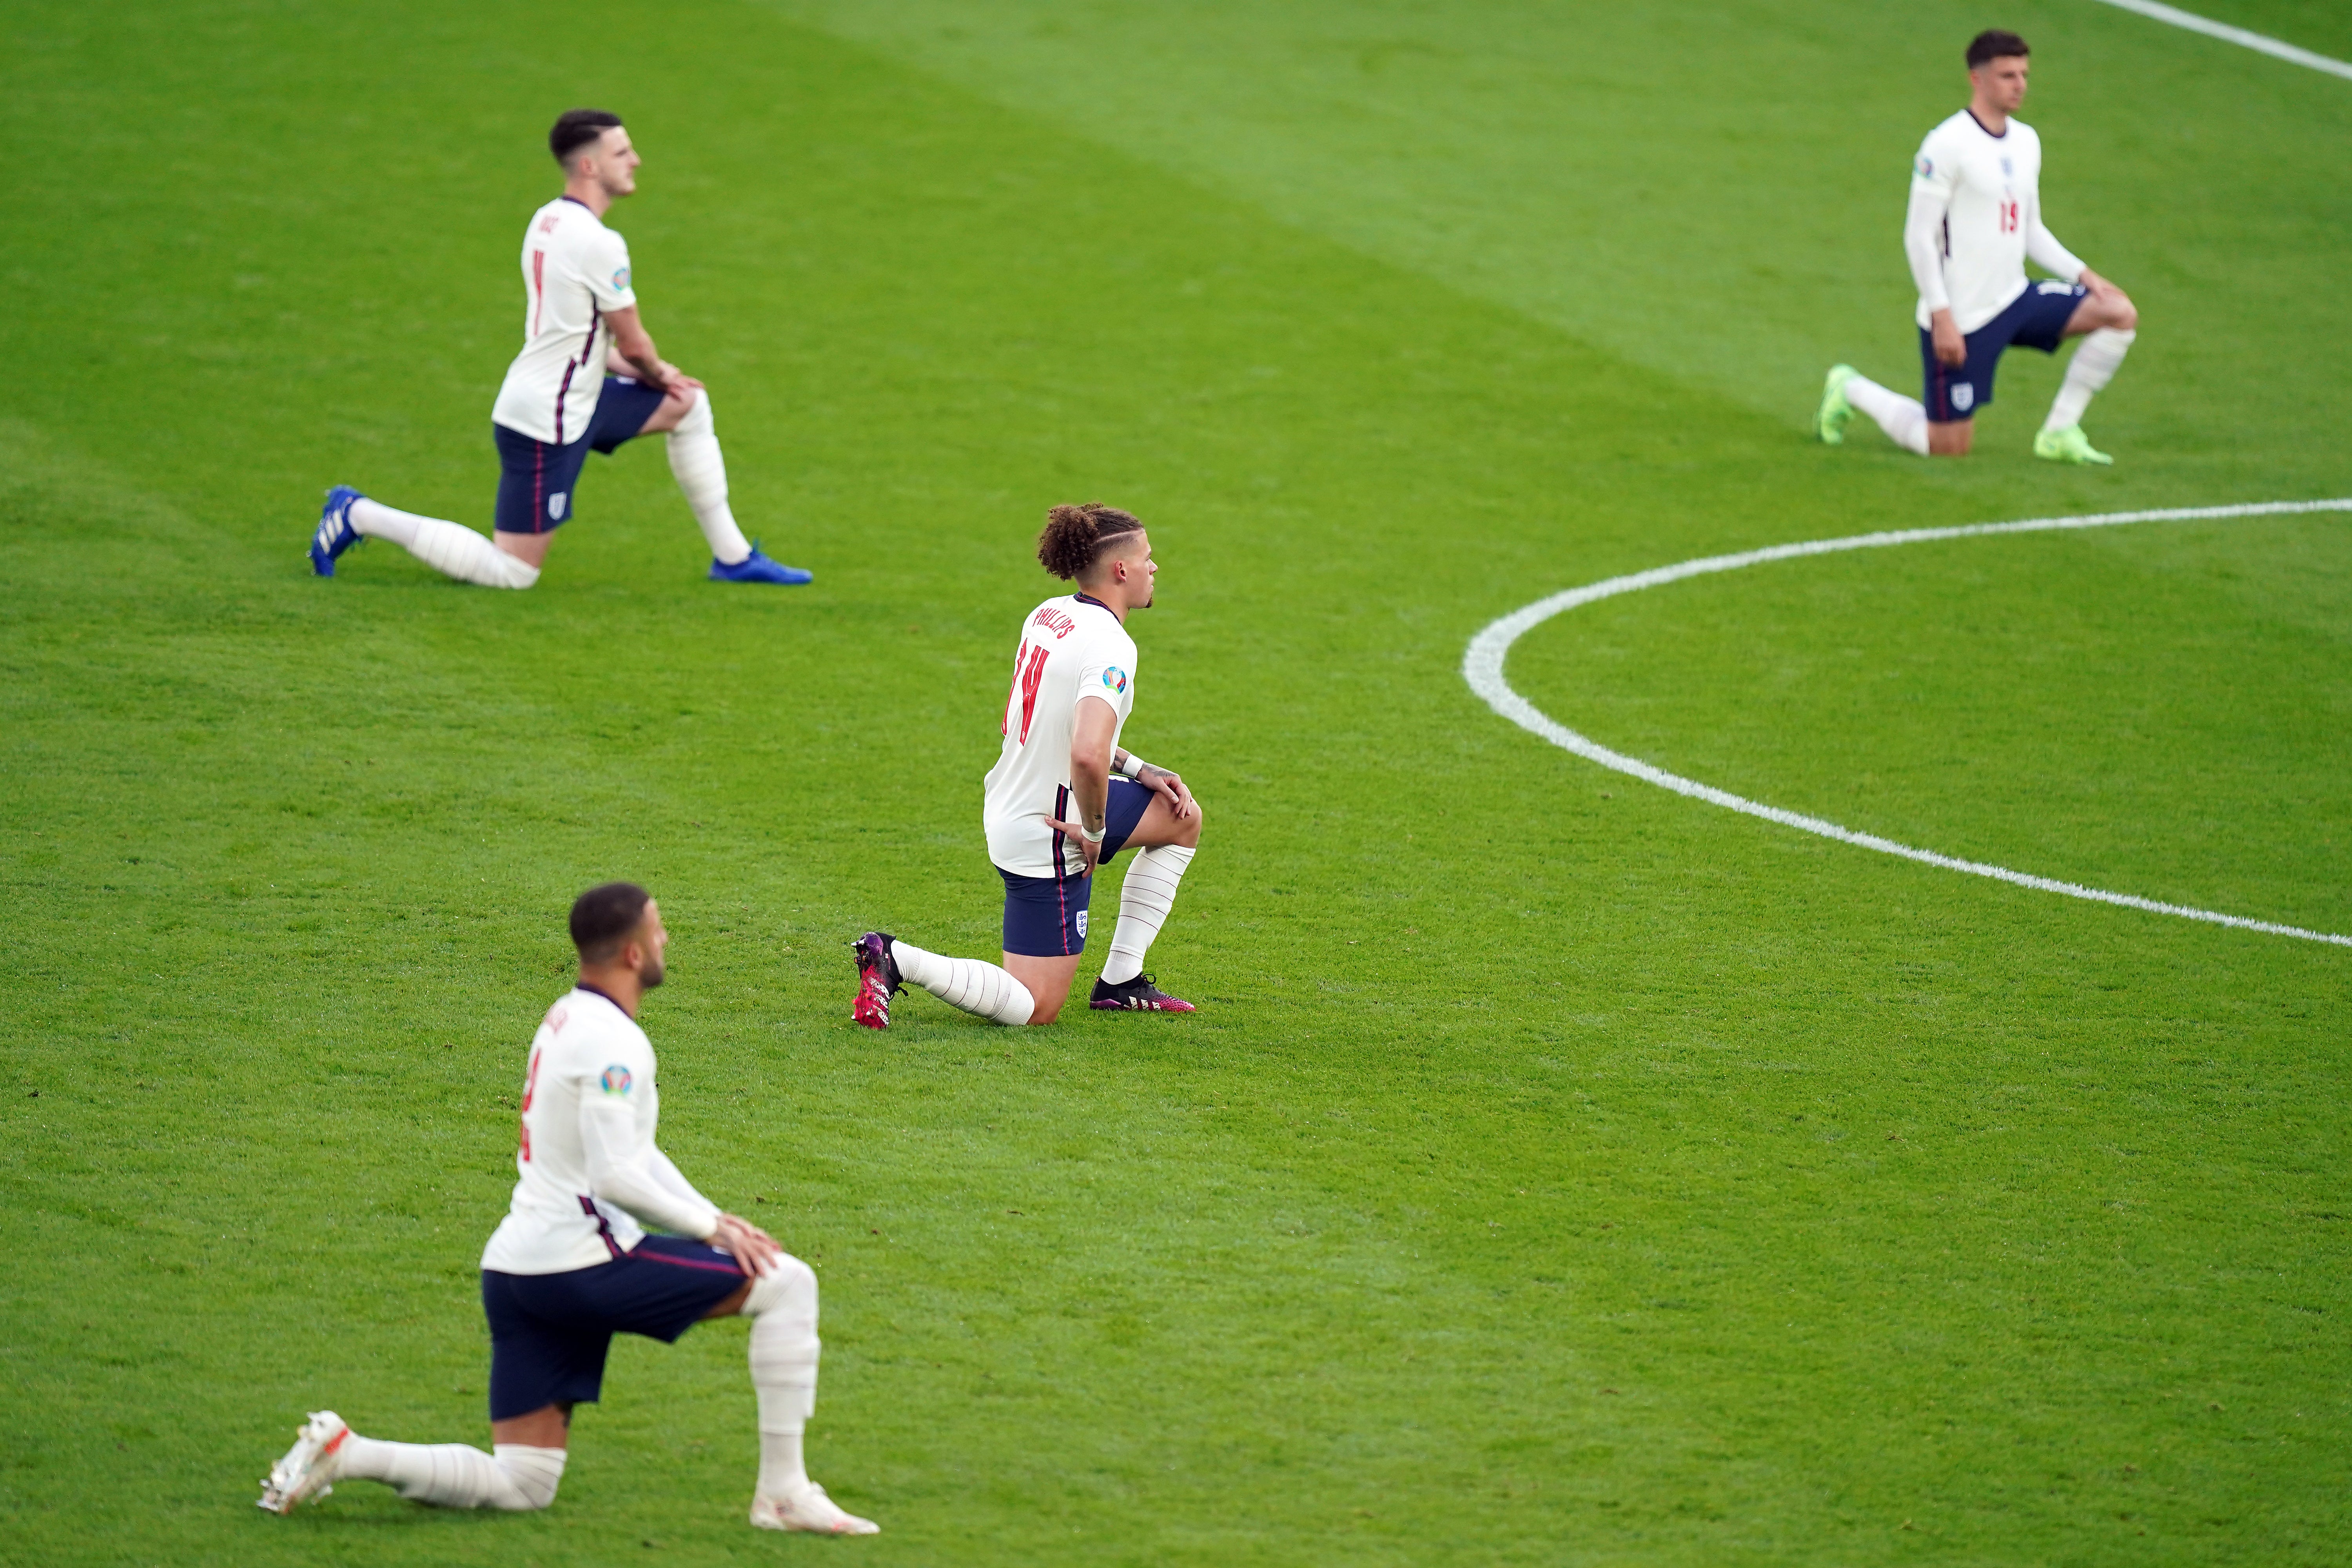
{"type": "Point", "coordinates": [575, 128]}
{"type": "Point", "coordinates": [602, 917]}
{"type": "Point", "coordinates": [1994, 44]}
{"type": "Point", "coordinates": [1077, 536]}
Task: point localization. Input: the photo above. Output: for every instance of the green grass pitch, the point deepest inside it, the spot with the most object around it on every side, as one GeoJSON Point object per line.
{"type": "Point", "coordinates": [1558, 1170]}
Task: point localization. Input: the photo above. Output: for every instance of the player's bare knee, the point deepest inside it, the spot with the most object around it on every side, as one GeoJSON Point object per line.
{"type": "Point", "coordinates": [2126, 315]}
{"type": "Point", "coordinates": [1188, 832]}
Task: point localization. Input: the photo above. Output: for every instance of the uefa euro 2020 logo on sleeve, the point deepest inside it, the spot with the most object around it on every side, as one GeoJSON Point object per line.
{"type": "Point", "coordinates": [1115, 678]}
{"type": "Point", "coordinates": [615, 1080]}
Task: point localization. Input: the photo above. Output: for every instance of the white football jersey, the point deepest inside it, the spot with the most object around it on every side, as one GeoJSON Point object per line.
{"type": "Point", "coordinates": [574, 271]}
{"type": "Point", "coordinates": [1980, 196]}
{"type": "Point", "coordinates": [1071, 648]}
{"type": "Point", "coordinates": [587, 1046]}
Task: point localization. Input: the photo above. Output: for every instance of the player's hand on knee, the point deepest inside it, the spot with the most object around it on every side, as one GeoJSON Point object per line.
{"type": "Point", "coordinates": [749, 1246]}
{"type": "Point", "coordinates": [1168, 787]}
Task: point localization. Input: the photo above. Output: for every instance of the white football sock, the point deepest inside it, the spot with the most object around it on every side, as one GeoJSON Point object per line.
{"type": "Point", "coordinates": [971, 984]}
{"type": "Point", "coordinates": [1144, 900]}
{"type": "Point", "coordinates": [456, 1475]}
{"type": "Point", "coordinates": [447, 547]}
{"type": "Point", "coordinates": [701, 472]}
{"type": "Point", "coordinates": [785, 1348]}
{"type": "Point", "coordinates": [2094, 366]}
{"type": "Point", "coordinates": [1905, 419]}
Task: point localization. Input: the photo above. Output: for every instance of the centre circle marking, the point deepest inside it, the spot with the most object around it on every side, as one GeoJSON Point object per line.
{"type": "Point", "coordinates": [1482, 666]}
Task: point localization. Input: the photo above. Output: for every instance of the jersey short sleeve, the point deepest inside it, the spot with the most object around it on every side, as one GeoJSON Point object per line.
{"type": "Point", "coordinates": [1106, 669]}
{"type": "Point", "coordinates": [607, 268]}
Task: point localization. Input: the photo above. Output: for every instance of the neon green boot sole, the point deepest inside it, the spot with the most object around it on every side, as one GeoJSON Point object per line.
{"type": "Point", "coordinates": [1829, 421]}
{"type": "Point", "coordinates": [2068, 446]}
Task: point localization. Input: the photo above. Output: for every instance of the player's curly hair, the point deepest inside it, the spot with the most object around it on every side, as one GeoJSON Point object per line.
{"type": "Point", "coordinates": [1076, 536]}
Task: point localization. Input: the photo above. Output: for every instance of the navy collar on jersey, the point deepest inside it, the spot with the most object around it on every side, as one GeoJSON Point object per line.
{"type": "Point", "coordinates": [575, 201]}
{"type": "Point", "coordinates": [1097, 604]}
{"type": "Point", "coordinates": [1999, 135]}
{"type": "Point", "coordinates": [583, 984]}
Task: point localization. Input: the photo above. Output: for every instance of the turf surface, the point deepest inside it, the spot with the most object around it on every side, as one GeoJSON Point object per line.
{"type": "Point", "coordinates": [1559, 1170]}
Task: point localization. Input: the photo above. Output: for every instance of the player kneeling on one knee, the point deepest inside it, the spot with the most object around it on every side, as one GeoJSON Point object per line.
{"type": "Point", "coordinates": [588, 379]}
{"type": "Point", "coordinates": [1975, 220]}
{"type": "Point", "coordinates": [572, 1265]}
{"type": "Point", "coordinates": [1063, 799]}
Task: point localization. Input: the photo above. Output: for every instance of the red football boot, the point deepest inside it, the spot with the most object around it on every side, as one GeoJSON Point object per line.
{"type": "Point", "coordinates": [878, 980]}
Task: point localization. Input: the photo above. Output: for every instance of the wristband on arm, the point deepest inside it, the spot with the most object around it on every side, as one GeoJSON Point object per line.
{"type": "Point", "coordinates": [1134, 769]}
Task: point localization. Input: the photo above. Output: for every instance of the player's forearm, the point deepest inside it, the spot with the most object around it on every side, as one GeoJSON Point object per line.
{"type": "Point", "coordinates": [1090, 789]}
{"type": "Point", "coordinates": [619, 1173]}
{"type": "Point", "coordinates": [640, 354]}
{"type": "Point", "coordinates": [1923, 247]}
{"type": "Point", "coordinates": [2041, 248]}
{"type": "Point", "coordinates": [634, 344]}
{"type": "Point", "coordinates": [666, 1174]}
{"type": "Point", "coordinates": [633, 1188]}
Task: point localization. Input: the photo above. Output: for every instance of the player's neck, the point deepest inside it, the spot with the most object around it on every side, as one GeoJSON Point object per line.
{"type": "Point", "coordinates": [589, 193]}
{"type": "Point", "coordinates": [1995, 120]}
{"type": "Point", "coordinates": [621, 987]}
{"type": "Point", "coordinates": [1109, 598]}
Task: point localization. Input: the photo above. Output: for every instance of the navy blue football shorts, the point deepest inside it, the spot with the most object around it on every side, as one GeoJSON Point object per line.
{"type": "Point", "coordinates": [1045, 917]}
{"type": "Point", "coordinates": [2035, 320]}
{"type": "Point", "coordinates": [536, 477]}
{"type": "Point", "coordinates": [549, 1333]}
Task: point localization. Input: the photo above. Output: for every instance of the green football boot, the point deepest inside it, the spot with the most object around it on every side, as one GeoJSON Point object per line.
{"type": "Point", "coordinates": [2068, 446]}
{"type": "Point", "coordinates": [1831, 421]}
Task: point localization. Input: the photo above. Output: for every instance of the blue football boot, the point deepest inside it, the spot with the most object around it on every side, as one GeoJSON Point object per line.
{"type": "Point", "coordinates": [757, 568]}
{"type": "Point", "coordinates": [335, 534]}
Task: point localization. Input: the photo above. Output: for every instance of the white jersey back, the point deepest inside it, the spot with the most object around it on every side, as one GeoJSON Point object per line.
{"type": "Point", "coordinates": [1071, 648]}
{"type": "Point", "coordinates": [574, 271]}
{"type": "Point", "coordinates": [1990, 189]}
{"type": "Point", "coordinates": [585, 1047]}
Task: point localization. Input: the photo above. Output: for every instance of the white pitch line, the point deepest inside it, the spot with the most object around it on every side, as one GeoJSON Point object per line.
{"type": "Point", "coordinates": [2239, 35]}
{"type": "Point", "coordinates": [1482, 666]}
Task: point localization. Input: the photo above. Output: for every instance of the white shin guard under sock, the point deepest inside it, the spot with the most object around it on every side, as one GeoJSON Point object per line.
{"type": "Point", "coordinates": [971, 984]}
{"type": "Point", "coordinates": [701, 473]}
{"type": "Point", "coordinates": [785, 1349]}
{"type": "Point", "coordinates": [519, 1479]}
{"type": "Point", "coordinates": [2094, 366]}
{"type": "Point", "coordinates": [447, 547]}
{"type": "Point", "coordinates": [1144, 900]}
{"type": "Point", "coordinates": [1905, 419]}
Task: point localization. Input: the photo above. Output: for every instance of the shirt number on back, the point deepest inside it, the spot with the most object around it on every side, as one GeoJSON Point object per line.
{"type": "Point", "coordinates": [1028, 675]}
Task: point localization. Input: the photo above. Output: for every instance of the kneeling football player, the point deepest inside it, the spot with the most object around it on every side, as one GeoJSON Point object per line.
{"type": "Point", "coordinates": [1975, 220]}
{"type": "Point", "coordinates": [572, 1266]}
{"type": "Point", "coordinates": [1073, 686]}
{"type": "Point", "coordinates": [587, 380]}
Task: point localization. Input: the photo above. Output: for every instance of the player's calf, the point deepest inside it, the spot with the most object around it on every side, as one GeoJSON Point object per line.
{"type": "Point", "coordinates": [517, 1478]}
{"type": "Point", "coordinates": [972, 985]}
